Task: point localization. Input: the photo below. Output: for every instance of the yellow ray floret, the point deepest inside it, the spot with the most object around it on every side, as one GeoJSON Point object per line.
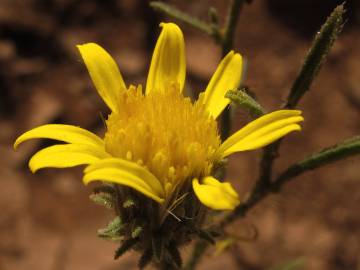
{"type": "Point", "coordinates": [65, 133]}
{"type": "Point", "coordinates": [66, 155]}
{"type": "Point", "coordinates": [168, 60]}
{"type": "Point", "coordinates": [216, 195]}
{"type": "Point", "coordinates": [104, 73]}
{"type": "Point", "coordinates": [262, 131]}
{"type": "Point", "coordinates": [128, 174]}
{"type": "Point", "coordinates": [226, 77]}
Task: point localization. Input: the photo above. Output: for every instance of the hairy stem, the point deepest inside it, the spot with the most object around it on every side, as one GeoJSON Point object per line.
{"type": "Point", "coordinates": [337, 152]}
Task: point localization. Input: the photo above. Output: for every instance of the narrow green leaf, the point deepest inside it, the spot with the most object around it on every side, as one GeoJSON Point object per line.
{"type": "Point", "coordinates": [126, 246]}
{"type": "Point", "coordinates": [245, 101]}
{"type": "Point", "coordinates": [316, 56]}
{"type": "Point", "coordinates": [181, 16]}
{"type": "Point", "coordinates": [112, 231]}
{"type": "Point", "coordinates": [213, 16]}
{"type": "Point", "coordinates": [129, 203]}
{"type": "Point", "coordinates": [103, 199]}
{"type": "Point", "coordinates": [340, 151]}
{"type": "Point", "coordinates": [136, 232]}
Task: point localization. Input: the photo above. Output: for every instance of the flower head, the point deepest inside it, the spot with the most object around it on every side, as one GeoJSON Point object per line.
{"type": "Point", "coordinates": [158, 142]}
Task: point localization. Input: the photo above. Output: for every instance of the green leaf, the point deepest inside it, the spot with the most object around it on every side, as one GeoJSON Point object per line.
{"type": "Point", "coordinates": [136, 232]}
{"type": "Point", "coordinates": [317, 55]}
{"type": "Point", "coordinates": [112, 231]}
{"type": "Point", "coordinates": [129, 203]}
{"type": "Point", "coordinates": [103, 199]}
{"type": "Point", "coordinates": [245, 101]}
{"type": "Point", "coordinates": [340, 151]}
{"type": "Point", "coordinates": [126, 246]}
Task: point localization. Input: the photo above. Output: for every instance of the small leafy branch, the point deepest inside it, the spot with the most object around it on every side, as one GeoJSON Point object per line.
{"type": "Point", "coordinates": [315, 58]}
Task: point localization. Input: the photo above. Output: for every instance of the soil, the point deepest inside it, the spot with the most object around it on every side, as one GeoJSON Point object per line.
{"type": "Point", "coordinates": [47, 221]}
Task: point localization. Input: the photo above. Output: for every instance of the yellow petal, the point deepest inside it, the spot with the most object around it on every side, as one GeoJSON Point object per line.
{"type": "Point", "coordinates": [226, 77]}
{"type": "Point", "coordinates": [168, 61]}
{"type": "Point", "coordinates": [65, 133]}
{"type": "Point", "coordinates": [216, 195]}
{"type": "Point", "coordinates": [124, 175]}
{"type": "Point", "coordinates": [66, 155]}
{"type": "Point", "coordinates": [262, 131]}
{"type": "Point", "coordinates": [104, 73]}
{"type": "Point", "coordinates": [131, 167]}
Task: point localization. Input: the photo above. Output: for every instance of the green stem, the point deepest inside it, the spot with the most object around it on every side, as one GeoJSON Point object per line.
{"type": "Point", "coordinates": [199, 249]}
{"type": "Point", "coordinates": [227, 44]}
{"type": "Point", "coordinates": [230, 25]}
{"type": "Point", "coordinates": [313, 62]}
{"type": "Point", "coordinates": [182, 16]}
{"type": "Point", "coordinates": [346, 149]}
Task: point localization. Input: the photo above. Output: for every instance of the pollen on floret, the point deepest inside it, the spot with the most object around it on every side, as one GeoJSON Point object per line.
{"type": "Point", "coordinates": [174, 138]}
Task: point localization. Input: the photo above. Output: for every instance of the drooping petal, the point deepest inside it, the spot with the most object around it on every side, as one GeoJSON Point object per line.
{"type": "Point", "coordinates": [168, 61]}
{"type": "Point", "coordinates": [104, 73]}
{"type": "Point", "coordinates": [226, 77]}
{"type": "Point", "coordinates": [65, 133]}
{"type": "Point", "coordinates": [123, 173]}
{"type": "Point", "coordinates": [216, 195]}
{"type": "Point", "coordinates": [131, 167]}
{"type": "Point", "coordinates": [262, 131]}
{"type": "Point", "coordinates": [66, 155]}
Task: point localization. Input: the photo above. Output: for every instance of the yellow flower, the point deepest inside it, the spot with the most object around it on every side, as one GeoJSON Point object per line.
{"type": "Point", "coordinates": [157, 141]}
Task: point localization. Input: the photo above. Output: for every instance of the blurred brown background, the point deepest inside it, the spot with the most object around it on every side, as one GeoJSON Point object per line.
{"type": "Point", "coordinates": [47, 221]}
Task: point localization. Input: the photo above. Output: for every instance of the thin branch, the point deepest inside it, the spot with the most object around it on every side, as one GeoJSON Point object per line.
{"type": "Point", "coordinates": [199, 249]}
{"type": "Point", "coordinates": [230, 25]}
{"type": "Point", "coordinates": [182, 16]}
{"type": "Point", "coordinates": [340, 151]}
{"type": "Point", "coordinates": [348, 148]}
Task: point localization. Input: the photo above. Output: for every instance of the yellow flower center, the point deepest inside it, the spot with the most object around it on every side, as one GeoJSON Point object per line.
{"type": "Point", "coordinates": [172, 137]}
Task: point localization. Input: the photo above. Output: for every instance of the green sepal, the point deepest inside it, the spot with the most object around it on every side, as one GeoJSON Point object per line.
{"type": "Point", "coordinates": [112, 231]}
{"type": "Point", "coordinates": [242, 99]}
{"type": "Point", "coordinates": [136, 232]}
{"type": "Point", "coordinates": [129, 203]}
{"type": "Point", "coordinates": [125, 246]}
{"type": "Point", "coordinates": [103, 199]}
